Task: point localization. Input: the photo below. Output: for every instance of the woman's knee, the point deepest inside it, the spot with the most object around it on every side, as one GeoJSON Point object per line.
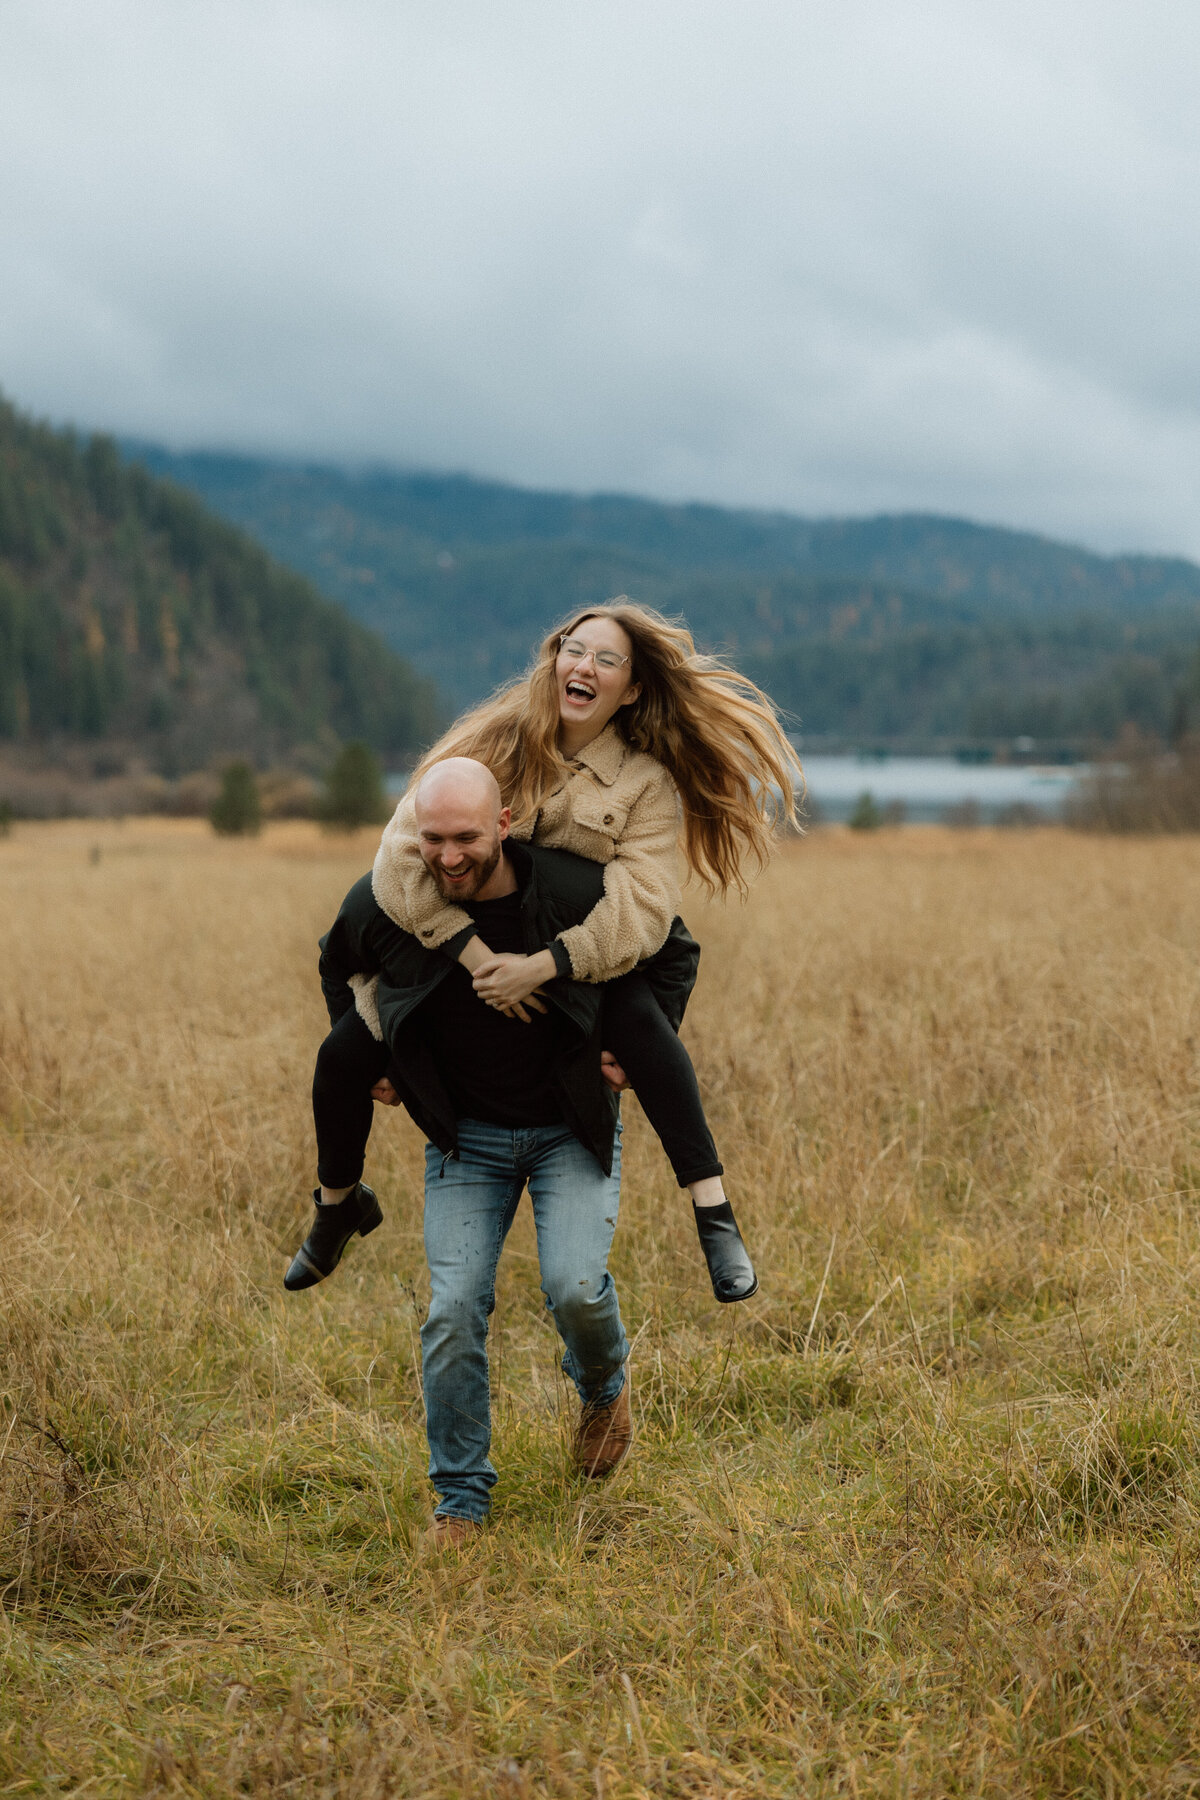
{"type": "Point", "coordinates": [630, 1007]}
{"type": "Point", "coordinates": [337, 1065]}
{"type": "Point", "coordinates": [350, 1054]}
{"type": "Point", "coordinates": [332, 1063]}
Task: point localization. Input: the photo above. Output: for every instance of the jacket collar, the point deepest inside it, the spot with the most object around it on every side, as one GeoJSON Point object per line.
{"type": "Point", "coordinates": [604, 755]}
{"type": "Point", "coordinates": [521, 861]}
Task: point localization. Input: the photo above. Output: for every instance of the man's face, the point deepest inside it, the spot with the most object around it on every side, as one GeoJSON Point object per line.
{"type": "Point", "coordinates": [460, 845]}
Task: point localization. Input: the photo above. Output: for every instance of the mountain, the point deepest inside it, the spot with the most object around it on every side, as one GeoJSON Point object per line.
{"type": "Point", "coordinates": [132, 616]}
{"type": "Point", "coordinates": [911, 628]}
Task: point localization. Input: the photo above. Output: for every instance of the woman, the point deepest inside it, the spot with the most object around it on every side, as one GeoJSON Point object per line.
{"type": "Point", "coordinates": [618, 729]}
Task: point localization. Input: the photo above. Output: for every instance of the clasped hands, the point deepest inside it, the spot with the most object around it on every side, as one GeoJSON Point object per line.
{"type": "Point", "coordinates": [511, 982]}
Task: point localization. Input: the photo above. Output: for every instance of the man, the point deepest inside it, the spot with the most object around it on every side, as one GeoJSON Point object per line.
{"type": "Point", "coordinates": [505, 1102]}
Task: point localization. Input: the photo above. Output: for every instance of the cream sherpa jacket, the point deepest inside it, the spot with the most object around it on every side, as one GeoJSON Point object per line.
{"type": "Point", "coordinates": [616, 806]}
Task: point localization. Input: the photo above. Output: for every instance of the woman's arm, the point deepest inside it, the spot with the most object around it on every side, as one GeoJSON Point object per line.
{"type": "Point", "coordinates": [633, 916]}
{"type": "Point", "coordinates": [641, 890]}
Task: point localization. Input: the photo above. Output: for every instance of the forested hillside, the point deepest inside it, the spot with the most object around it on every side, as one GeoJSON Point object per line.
{"type": "Point", "coordinates": [910, 628]}
{"type": "Point", "coordinates": [130, 615]}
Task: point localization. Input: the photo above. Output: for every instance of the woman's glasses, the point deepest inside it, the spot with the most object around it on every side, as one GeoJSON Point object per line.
{"type": "Point", "coordinates": [603, 659]}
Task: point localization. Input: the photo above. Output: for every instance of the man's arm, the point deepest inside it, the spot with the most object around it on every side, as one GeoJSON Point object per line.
{"type": "Point", "coordinates": [612, 1072]}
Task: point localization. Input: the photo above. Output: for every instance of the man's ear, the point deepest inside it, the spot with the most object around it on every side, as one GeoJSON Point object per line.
{"type": "Point", "coordinates": [504, 821]}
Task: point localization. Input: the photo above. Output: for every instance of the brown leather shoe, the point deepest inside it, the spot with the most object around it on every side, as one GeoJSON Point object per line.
{"type": "Point", "coordinates": [450, 1532]}
{"type": "Point", "coordinates": [604, 1435]}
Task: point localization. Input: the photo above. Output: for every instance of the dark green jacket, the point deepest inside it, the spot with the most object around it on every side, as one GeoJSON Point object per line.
{"type": "Point", "coordinates": [557, 890]}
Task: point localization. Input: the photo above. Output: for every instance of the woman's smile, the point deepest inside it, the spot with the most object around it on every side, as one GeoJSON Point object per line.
{"type": "Point", "coordinates": [591, 692]}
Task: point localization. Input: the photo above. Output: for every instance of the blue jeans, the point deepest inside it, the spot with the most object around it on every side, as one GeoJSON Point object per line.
{"type": "Point", "coordinates": [470, 1202]}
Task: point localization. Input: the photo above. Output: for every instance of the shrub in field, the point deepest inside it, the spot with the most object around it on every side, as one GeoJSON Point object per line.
{"type": "Point", "coordinates": [867, 814]}
{"type": "Point", "coordinates": [1018, 815]}
{"type": "Point", "coordinates": [287, 795]}
{"type": "Point", "coordinates": [1141, 787]}
{"type": "Point", "coordinates": [237, 809]}
{"type": "Point", "coordinates": [354, 793]}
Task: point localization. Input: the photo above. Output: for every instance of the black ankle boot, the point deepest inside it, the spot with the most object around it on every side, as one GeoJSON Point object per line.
{"type": "Point", "coordinates": [332, 1229]}
{"type": "Point", "coordinates": [729, 1264]}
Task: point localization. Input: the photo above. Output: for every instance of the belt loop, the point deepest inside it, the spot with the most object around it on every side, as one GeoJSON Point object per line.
{"type": "Point", "coordinates": [449, 1154]}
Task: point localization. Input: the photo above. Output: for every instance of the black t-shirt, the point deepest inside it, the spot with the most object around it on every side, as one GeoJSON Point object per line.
{"type": "Point", "coordinates": [493, 1068]}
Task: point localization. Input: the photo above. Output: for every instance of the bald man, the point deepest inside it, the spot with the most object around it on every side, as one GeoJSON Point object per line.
{"type": "Point", "coordinates": [505, 1102]}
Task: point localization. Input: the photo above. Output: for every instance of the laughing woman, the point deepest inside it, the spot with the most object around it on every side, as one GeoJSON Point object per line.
{"type": "Point", "coordinates": [621, 743]}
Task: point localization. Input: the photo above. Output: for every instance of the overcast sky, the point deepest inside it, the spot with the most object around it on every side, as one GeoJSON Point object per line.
{"type": "Point", "coordinates": [839, 257]}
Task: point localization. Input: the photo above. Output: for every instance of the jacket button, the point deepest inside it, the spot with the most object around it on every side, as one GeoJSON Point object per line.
{"type": "Point", "coordinates": [608, 818]}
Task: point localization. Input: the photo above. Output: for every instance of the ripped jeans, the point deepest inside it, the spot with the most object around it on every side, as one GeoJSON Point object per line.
{"type": "Point", "coordinates": [470, 1203]}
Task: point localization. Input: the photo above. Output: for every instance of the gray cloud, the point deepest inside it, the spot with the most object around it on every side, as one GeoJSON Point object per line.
{"type": "Point", "coordinates": [878, 254]}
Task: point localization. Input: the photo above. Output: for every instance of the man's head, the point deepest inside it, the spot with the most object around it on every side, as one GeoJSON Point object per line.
{"type": "Point", "coordinates": [461, 824]}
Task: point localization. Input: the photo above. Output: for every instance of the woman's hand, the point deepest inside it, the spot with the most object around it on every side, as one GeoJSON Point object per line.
{"type": "Point", "coordinates": [509, 979]}
{"type": "Point", "coordinates": [473, 955]}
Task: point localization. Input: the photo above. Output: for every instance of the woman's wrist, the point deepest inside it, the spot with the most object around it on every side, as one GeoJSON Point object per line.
{"type": "Point", "coordinates": [543, 964]}
{"type": "Point", "coordinates": [560, 956]}
{"type": "Point", "coordinates": [473, 952]}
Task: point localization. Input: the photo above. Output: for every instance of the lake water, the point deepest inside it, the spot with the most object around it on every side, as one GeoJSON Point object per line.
{"type": "Point", "coordinates": [928, 785]}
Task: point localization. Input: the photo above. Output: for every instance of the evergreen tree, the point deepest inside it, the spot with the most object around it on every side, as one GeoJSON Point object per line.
{"type": "Point", "coordinates": [237, 809]}
{"type": "Point", "coordinates": [867, 814]}
{"type": "Point", "coordinates": [354, 793]}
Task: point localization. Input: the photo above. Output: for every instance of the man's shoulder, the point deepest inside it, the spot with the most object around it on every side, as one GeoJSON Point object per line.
{"type": "Point", "coordinates": [562, 876]}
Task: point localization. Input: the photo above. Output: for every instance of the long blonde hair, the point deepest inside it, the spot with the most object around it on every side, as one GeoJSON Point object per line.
{"type": "Point", "coordinates": [716, 734]}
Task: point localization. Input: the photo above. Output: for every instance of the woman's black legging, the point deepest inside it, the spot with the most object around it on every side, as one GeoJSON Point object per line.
{"type": "Point", "coordinates": [635, 1029]}
{"type": "Point", "coordinates": [349, 1063]}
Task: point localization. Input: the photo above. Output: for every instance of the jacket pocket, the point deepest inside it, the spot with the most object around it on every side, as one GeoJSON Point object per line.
{"type": "Point", "coordinates": [597, 809]}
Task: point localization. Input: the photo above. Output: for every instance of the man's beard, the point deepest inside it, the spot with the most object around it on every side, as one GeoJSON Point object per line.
{"type": "Point", "coordinates": [466, 890]}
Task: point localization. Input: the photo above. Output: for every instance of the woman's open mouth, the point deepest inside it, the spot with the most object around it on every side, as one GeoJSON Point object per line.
{"type": "Point", "coordinates": [580, 692]}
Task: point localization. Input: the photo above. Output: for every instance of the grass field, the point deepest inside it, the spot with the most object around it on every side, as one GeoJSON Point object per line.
{"type": "Point", "coordinates": [922, 1519]}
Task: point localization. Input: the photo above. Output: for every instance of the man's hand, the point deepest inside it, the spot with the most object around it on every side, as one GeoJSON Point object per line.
{"type": "Point", "coordinates": [612, 1072]}
{"type": "Point", "coordinates": [509, 979]}
{"type": "Point", "coordinates": [385, 1093]}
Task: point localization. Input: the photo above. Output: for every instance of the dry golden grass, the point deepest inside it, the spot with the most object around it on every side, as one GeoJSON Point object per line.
{"type": "Point", "coordinates": [921, 1519]}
